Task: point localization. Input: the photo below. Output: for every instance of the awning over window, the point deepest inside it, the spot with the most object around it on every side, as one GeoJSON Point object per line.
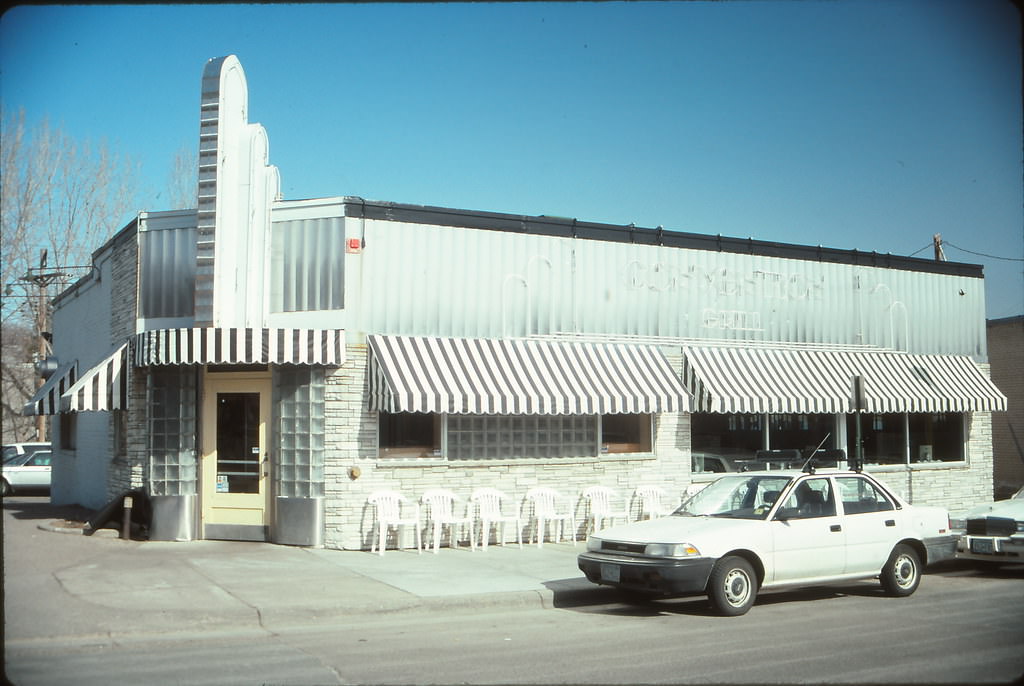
{"type": "Point", "coordinates": [821, 381]}
{"type": "Point", "coordinates": [47, 399]}
{"type": "Point", "coordinates": [487, 376]}
{"type": "Point", "coordinates": [104, 387]}
{"type": "Point", "coordinates": [240, 346]}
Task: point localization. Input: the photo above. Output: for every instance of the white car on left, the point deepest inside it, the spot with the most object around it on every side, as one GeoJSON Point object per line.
{"type": "Point", "coordinates": [993, 532]}
{"type": "Point", "coordinates": [26, 471]}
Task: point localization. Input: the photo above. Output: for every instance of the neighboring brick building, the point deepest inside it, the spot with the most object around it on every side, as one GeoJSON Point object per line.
{"type": "Point", "coordinates": [261, 366]}
{"type": "Point", "coordinates": [1006, 358]}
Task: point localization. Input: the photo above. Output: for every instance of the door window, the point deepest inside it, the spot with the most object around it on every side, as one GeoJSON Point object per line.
{"type": "Point", "coordinates": [238, 443]}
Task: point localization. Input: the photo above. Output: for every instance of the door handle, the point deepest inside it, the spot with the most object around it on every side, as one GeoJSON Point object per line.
{"type": "Point", "coordinates": [835, 527]}
{"type": "Point", "coordinates": [890, 522]}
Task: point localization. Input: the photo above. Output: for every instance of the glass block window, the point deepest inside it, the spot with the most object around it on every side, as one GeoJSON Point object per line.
{"type": "Point", "coordinates": [167, 272]}
{"type": "Point", "coordinates": [171, 416]}
{"type": "Point", "coordinates": [307, 265]}
{"type": "Point", "coordinates": [480, 437]}
{"type": "Point", "coordinates": [299, 428]}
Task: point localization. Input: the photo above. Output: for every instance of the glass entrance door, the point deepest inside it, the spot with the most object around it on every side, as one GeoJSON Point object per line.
{"type": "Point", "coordinates": [236, 462]}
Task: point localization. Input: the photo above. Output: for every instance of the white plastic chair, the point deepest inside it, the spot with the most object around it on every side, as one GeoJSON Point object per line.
{"type": "Point", "coordinates": [544, 506]}
{"type": "Point", "coordinates": [388, 514]}
{"type": "Point", "coordinates": [601, 500]}
{"type": "Point", "coordinates": [441, 507]}
{"type": "Point", "coordinates": [489, 514]}
{"type": "Point", "coordinates": [651, 501]}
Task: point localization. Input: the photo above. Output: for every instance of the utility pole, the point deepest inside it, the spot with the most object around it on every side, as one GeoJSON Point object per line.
{"type": "Point", "coordinates": [940, 256]}
{"type": "Point", "coordinates": [40, 278]}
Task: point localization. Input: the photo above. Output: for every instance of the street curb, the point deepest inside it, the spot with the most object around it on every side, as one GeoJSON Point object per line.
{"type": "Point", "coordinates": [54, 528]}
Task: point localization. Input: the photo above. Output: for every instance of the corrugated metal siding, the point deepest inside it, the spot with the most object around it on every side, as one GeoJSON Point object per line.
{"type": "Point", "coordinates": [444, 281]}
{"type": "Point", "coordinates": [167, 272]}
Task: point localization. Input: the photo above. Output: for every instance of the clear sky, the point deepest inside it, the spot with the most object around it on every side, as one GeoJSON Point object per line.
{"type": "Point", "coordinates": [863, 125]}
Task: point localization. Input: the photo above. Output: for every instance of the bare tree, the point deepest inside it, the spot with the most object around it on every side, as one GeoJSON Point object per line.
{"type": "Point", "coordinates": [57, 195]}
{"type": "Point", "coordinates": [183, 183]}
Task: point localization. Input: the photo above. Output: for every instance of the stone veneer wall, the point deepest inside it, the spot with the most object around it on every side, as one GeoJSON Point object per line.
{"type": "Point", "coordinates": [352, 444]}
{"type": "Point", "coordinates": [127, 470]}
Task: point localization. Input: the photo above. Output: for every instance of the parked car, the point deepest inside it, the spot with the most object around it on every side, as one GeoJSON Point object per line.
{"type": "Point", "coordinates": [993, 532]}
{"type": "Point", "coordinates": [28, 471]}
{"type": "Point", "coordinates": [13, 450]}
{"type": "Point", "coordinates": [757, 530]}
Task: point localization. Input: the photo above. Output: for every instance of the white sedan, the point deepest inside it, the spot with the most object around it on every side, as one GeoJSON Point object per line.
{"type": "Point", "coordinates": [26, 472]}
{"type": "Point", "coordinates": [754, 530]}
{"type": "Point", "coordinates": [993, 532]}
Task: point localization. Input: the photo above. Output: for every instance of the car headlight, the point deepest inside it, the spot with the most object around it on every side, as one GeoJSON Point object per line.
{"type": "Point", "coordinates": [593, 543]}
{"type": "Point", "coordinates": [671, 550]}
{"type": "Point", "coordinates": [1020, 527]}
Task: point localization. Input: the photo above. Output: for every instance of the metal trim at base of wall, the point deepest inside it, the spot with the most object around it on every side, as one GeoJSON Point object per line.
{"type": "Point", "coordinates": [174, 518]}
{"type": "Point", "coordinates": [299, 521]}
{"type": "Point", "coordinates": [235, 532]}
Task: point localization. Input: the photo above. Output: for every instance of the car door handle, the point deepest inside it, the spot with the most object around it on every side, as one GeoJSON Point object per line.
{"type": "Point", "coordinates": [835, 527]}
{"type": "Point", "coordinates": [890, 522]}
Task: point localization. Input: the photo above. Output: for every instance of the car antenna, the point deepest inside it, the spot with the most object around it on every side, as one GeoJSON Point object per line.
{"type": "Point", "coordinates": [808, 467]}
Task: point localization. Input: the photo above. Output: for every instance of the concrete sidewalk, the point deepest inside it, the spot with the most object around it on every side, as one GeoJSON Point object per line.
{"type": "Point", "coordinates": [153, 586]}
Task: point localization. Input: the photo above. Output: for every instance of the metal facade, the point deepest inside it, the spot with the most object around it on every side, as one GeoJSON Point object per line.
{"type": "Point", "coordinates": [430, 280]}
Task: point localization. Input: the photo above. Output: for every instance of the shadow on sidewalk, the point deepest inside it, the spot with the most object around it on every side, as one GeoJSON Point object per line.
{"type": "Point", "coordinates": [40, 507]}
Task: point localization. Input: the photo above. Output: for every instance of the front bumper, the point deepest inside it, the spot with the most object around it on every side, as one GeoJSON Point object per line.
{"type": "Point", "coordinates": [991, 548]}
{"type": "Point", "coordinates": [664, 576]}
{"type": "Point", "coordinates": [940, 548]}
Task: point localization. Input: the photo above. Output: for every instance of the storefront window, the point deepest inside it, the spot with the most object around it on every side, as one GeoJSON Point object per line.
{"type": "Point", "coordinates": [800, 431]}
{"type": "Point", "coordinates": [932, 437]}
{"type": "Point", "coordinates": [626, 433]}
{"type": "Point", "coordinates": [410, 434]}
{"type": "Point", "coordinates": [725, 435]}
{"type": "Point", "coordinates": [882, 436]}
{"type": "Point", "coordinates": [936, 437]}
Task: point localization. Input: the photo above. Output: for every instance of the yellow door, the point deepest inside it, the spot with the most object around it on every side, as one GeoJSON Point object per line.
{"type": "Point", "coordinates": [236, 462]}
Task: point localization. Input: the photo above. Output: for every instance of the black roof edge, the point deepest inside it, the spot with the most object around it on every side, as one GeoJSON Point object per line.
{"type": "Point", "coordinates": [567, 227]}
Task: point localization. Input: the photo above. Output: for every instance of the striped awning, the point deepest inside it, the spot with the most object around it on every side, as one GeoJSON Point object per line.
{"type": "Point", "coordinates": [240, 346]}
{"type": "Point", "coordinates": [821, 381]}
{"type": "Point", "coordinates": [104, 387]}
{"type": "Point", "coordinates": [490, 376]}
{"type": "Point", "coordinates": [47, 399]}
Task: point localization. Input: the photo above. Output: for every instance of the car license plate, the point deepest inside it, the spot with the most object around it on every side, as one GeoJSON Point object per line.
{"type": "Point", "coordinates": [982, 545]}
{"type": "Point", "coordinates": [610, 573]}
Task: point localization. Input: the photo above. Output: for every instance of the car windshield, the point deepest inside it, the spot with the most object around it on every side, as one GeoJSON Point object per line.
{"type": "Point", "coordinates": [742, 496]}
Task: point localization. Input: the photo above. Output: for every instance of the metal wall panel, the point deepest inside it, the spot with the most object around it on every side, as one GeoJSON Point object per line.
{"type": "Point", "coordinates": [167, 272]}
{"type": "Point", "coordinates": [433, 280]}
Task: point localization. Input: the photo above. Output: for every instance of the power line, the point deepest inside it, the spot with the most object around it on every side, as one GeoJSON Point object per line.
{"type": "Point", "coordinates": [917, 251]}
{"type": "Point", "coordinates": [981, 254]}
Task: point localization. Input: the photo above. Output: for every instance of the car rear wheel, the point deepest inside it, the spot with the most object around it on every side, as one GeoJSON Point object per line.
{"type": "Point", "coordinates": [901, 575]}
{"type": "Point", "coordinates": [732, 587]}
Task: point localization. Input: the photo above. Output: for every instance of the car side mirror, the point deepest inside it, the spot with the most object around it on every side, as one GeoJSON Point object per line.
{"type": "Point", "coordinates": [785, 513]}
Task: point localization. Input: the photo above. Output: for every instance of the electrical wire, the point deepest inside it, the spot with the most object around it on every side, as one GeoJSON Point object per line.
{"type": "Point", "coordinates": [981, 254]}
{"type": "Point", "coordinates": [917, 251]}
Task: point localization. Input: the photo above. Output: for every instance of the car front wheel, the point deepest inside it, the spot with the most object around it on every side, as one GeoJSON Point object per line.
{"type": "Point", "coordinates": [901, 575]}
{"type": "Point", "coordinates": [732, 587]}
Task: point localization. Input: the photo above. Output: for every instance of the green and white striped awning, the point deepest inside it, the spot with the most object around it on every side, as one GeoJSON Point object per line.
{"type": "Point", "coordinates": [804, 381]}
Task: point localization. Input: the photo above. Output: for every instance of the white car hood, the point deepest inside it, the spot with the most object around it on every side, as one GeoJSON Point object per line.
{"type": "Point", "coordinates": [677, 529]}
{"type": "Point", "coordinates": [1012, 508]}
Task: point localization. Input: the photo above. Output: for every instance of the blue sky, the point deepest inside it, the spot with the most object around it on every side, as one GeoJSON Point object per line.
{"type": "Point", "coordinates": [852, 124]}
